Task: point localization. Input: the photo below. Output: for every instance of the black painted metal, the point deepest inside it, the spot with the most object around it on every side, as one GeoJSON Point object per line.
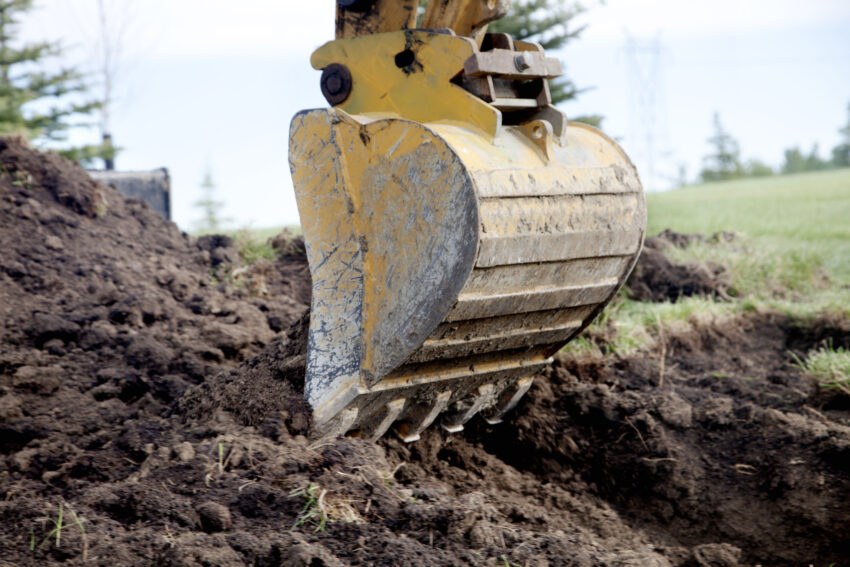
{"type": "Point", "coordinates": [154, 186]}
{"type": "Point", "coordinates": [355, 5]}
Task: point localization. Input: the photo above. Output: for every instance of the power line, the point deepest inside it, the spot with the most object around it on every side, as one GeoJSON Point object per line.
{"type": "Point", "coordinates": [648, 111]}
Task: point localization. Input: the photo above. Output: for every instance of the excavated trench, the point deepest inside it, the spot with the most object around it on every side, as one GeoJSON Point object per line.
{"type": "Point", "coordinates": [150, 385]}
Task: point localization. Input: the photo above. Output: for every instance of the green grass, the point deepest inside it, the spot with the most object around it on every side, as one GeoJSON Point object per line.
{"type": "Point", "coordinates": [791, 254]}
{"type": "Point", "coordinates": [57, 527]}
{"type": "Point", "coordinates": [313, 511]}
{"type": "Point", "coordinates": [807, 213]}
{"type": "Point", "coordinates": [793, 249]}
{"type": "Point", "coordinates": [253, 247]}
{"type": "Point", "coordinates": [831, 366]}
{"type": "Point", "coordinates": [263, 234]}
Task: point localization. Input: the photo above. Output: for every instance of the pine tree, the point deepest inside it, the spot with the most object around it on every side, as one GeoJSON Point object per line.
{"type": "Point", "coordinates": [725, 162]}
{"type": "Point", "coordinates": [795, 161]}
{"type": "Point", "coordinates": [211, 220]}
{"type": "Point", "coordinates": [34, 102]}
{"type": "Point", "coordinates": [551, 24]}
{"type": "Point", "coordinates": [841, 152]}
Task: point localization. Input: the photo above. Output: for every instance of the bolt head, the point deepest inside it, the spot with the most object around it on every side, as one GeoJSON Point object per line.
{"type": "Point", "coordinates": [336, 83]}
{"type": "Point", "coordinates": [522, 61]}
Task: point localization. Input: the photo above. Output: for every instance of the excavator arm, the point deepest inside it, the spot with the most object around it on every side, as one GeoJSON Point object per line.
{"type": "Point", "coordinates": [459, 229]}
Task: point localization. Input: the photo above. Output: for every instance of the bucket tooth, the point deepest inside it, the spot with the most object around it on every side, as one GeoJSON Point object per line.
{"type": "Point", "coordinates": [482, 397]}
{"type": "Point", "coordinates": [376, 427]}
{"type": "Point", "coordinates": [507, 401]}
{"type": "Point", "coordinates": [422, 416]}
{"type": "Point", "coordinates": [341, 424]}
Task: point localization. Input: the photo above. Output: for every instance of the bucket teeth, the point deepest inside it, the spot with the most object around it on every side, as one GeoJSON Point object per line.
{"type": "Point", "coordinates": [507, 401]}
{"type": "Point", "coordinates": [341, 424]}
{"type": "Point", "coordinates": [423, 416]}
{"type": "Point", "coordinates": [481, 398]}
{"type": "Point", "coordinates": [379, 425]}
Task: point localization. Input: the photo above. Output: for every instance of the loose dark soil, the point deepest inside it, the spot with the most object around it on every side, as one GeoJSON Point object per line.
{"type": "Point", "coordinates": [150, 386]}
{"type": "Point", "coordinates": [657, 278]}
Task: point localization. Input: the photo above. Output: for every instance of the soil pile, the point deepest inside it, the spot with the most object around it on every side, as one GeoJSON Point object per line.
{"type": "Point", "coordinates": [140, 409]}
{"type": "Point", "coordinates": [657, 278]}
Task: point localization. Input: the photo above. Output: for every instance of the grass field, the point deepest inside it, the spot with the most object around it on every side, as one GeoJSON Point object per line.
{"type": "Point", "coordinates": [805, 213]}
{"type": "Point", "coordinates": [791, 252]}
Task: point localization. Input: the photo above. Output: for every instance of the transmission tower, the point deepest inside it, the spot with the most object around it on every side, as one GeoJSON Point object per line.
{"type": "Point", "coordinates": [648, 118]}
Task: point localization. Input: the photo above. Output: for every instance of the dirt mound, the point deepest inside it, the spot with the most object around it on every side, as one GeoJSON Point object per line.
{"type": "Point", "coordinates": [657, 278]}
{"type": "Point", "coordinates": [266, 391]}
{"type": "Point", "coordinates": [731, 445]}
{"type": "Point", "coordinates": [148, 404]}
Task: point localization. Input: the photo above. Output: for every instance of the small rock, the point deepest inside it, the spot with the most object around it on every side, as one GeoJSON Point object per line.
{"type": "Point", "coordinates": [184, 452]}
{"type": "Point", "coordinates": [483, 534]}
{"type": "Point", "coordinates": [214, 517]}
{"type": "Point", "coordinates": [45, 326]}
{"type": "Point", "coordinates": [718, 411]}
{"type": "Point", "coordinates": [145, 352]}
{"type": "Point", "coordinates": [10, 407]}
{"type": "Point", "coordinates": [39, 380]}
{"type": "Point", "coordinates": [56, 347]}
{"type": "Point", "coordinates": [54, 243]}
{"type": "Point", "coordinates": [99, 334]}
{"type": "Point", "coordinates": [675, 411]}
{"type": "Point", "coordinates": [717, 555]}
{"type": "Point", "coordinates": [23, 458]}
{"type": "Point", "coordinates": [306, 555]}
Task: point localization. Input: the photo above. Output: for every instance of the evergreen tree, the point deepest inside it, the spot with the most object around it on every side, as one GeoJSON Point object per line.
{"type": "Point", "coordinates": [551, 23]}
{"type": "Point", "coordinates": [757, 168]}
{"type": "Point", "coordinates": [211, 220]}
{"type": "Point", "coordinates": [814, 161]}
{"type": "Point", "coordinates": [795, 161]}
{"type": "Point", "coordinates": [34, 102]}
{"type": "Point", "coordinates": [841, 152]}
{"type": "Point", "coordinates": [724, 163]}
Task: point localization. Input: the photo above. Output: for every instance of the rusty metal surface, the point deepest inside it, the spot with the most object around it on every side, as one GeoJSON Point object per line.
{"type": "Point", "coordinates": [407, 263]}
{"type": "Point", "coordinates": [512, 65]}
{"type": "Point", "coordinates": [466, 17]}
{"type": "Point", "coordinates": [381, 87]}
{"type": "Point", "coordinates": [376, 16]}
{"type": "Point", "coordinates": [451, 254]}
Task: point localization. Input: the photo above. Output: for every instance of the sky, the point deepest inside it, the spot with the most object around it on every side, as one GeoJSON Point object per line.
{"type": "Point", "coordinates": [202, 84]}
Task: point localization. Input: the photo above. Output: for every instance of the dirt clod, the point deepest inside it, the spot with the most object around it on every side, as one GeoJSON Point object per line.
{"type": "Point", "coordinates": [657, 278]}
{"type": "Point", "coordinates": [214, 517]}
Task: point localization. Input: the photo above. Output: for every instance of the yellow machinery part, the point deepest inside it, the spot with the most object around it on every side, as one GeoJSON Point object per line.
{"type": "Point", "coordinates": [451, 254]}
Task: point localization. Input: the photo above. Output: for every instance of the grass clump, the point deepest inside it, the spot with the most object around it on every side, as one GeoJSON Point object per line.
{"type": "Point", "coordinates": [628, 326]}
{"type": "Point", "coordinates": [58, 526]}
{"type": "Point", "coordinates": [252, 247]}
{"type": "Point", "coordinates": [321, 508]}
{"type": "Point", "coordinates": [830, 365]}
{"type": "Point", "coordinates": [313, 512]}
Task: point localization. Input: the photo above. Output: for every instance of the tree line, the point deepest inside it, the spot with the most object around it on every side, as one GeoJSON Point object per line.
{"type": "Point", "coordinates": [725, 163]}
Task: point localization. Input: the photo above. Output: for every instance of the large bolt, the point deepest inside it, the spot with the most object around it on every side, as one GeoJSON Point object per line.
{"type": "Point", "coordinates": [522, 60]}
{"type": "Point", "coordinates": [336, 83]}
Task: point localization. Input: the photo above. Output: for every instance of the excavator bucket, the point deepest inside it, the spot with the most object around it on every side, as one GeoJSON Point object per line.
{"type": "Point", "coordinates": [459, 230]}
